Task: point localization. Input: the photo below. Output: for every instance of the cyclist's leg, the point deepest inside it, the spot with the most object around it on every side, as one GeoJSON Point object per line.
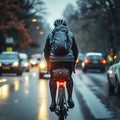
{"type": "Point", "coordinates": [69, 84]}
{"type": "Point", "coordinates": [53, 87]}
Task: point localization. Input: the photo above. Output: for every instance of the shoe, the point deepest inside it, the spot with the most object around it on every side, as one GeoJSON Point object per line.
{"type": "Point", "coordinates": [52, 107]}
{"type": "Point", "coordinates": [70, 103]}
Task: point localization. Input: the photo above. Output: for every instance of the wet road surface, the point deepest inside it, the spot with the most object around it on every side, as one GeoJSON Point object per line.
{"type": "Point", "coordinates": [28, 98]}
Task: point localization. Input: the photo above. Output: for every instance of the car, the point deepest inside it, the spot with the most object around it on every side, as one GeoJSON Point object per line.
{"type": "Point", "coordinates": [94, 61]}
{"type": "Point", "coordinates": [113, 75]}
{"type": "Point", "coordinates": [80, 59]}
{"type": "Point", "coordinates": [34, 62]}
{"type": "Point", "coordinates": [37, 56]}
{"type": "Point", "coordinates": [35, 59]}
{"type": "Point", "coordinates": [10, 62]}
{"type": "Point", "coordinates": [25, 62]}
{"type": "Point", "coordinates": [42, 67]}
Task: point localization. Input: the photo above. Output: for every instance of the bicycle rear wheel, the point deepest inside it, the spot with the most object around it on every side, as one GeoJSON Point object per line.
{"type": "Point", "coordinates": [61, 103]}
{"type": "Point", "coordinates": [61, 116]}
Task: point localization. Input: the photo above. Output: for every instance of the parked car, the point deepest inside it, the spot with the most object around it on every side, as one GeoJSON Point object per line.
{"type": "Point", "coordinates": [10, 62]}
{"type": "Point", "coordinates": [113, 75]}
{"type": "Point", "coordinates": [42, 67]}
{"type": "Point", "coordinates": [80, 59]}
{"type": "Point", "coordinates": [94, 61]}
{"type": "Point", "coordinates": [25, 62]}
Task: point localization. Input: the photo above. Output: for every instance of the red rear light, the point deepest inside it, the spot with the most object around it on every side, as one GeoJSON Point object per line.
{"type": "Point", "coordinates": [103, 61]}
{"type": "Point", "coordinates": [87, 61]}
{"type": "Point", "coordinates": [61, 82]}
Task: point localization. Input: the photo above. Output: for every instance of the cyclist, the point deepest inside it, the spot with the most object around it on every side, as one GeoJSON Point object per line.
{"type": "Point", "coordinates": [66, 61]}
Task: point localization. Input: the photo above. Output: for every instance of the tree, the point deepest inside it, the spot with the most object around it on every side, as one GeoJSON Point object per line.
{"type": "Point", "coordinates": [97, 23]}
{"type": "Point", "coordinates": [16, 16]}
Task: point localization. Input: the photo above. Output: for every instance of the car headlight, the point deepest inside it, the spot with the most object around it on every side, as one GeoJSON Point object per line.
{"type": "Point", "coordinates": [42, 65]}
{"type": "Point", "coordinates": [33, 62]}
{"type": "Point", "coordinates": [15, 63]}
{"type": "Point", "coordinates": [110, 72]}
{"type": "Point", "coordinates": [0, 64]}
{"type": "Point", "coordinates": [26, 64]}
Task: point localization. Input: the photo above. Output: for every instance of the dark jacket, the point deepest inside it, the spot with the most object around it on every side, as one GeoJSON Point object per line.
{"type": "Point", "coordinates": [50, 57]}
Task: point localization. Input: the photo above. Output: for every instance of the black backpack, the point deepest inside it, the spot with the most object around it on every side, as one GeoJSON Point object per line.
{"type": "Point", "coordinates": [60, 41]}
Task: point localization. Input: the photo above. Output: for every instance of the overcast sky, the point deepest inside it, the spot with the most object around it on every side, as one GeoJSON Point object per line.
{"type": "Point", "coordinates": [55, 8]}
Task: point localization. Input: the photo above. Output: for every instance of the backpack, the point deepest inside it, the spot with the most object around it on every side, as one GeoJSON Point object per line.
{"type": "Point", "coordinates": [60, 42]}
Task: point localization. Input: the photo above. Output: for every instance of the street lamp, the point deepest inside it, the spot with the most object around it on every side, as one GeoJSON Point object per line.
{"type": "Point", "coordinates": [34, 20]}
{"type": "Point", "coordinates": [37, 27]}
{"type": "Point", "coordinates": [41, 32]}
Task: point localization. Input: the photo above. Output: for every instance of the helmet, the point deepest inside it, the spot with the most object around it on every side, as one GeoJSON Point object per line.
{"type": "Point", "coordinates": [60, 22]}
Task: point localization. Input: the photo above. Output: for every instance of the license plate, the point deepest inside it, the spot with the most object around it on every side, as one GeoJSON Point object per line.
{"type": "Point", "coordinates": [6, 68]}
{"type": "Point", "coordinates": [95, 61]}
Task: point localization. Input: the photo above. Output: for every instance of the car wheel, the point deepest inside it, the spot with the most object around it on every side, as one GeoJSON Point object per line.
{"type": "Point", "coordinates": [110, 87]}
{"type": "Point", "coordinates": [28, 70]}
{"type": "Point", "coordinates": [84, 70]}
{"type": "Point", "coordinates": [117, 88]}
{"type": "Point", "coordinates": [41, 75]}
{"type": "Point", "coordinates": [19, 73]}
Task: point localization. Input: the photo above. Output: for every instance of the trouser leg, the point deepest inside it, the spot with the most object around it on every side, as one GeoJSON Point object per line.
{"type": "Point", "coordinates": [69, 86]}
{"type": "Point", "coordinates": [53, 88]}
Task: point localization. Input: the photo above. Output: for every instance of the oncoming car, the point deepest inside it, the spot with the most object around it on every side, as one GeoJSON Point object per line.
{"type": "Point", "coordinates": [10, 62]}
{"type": "Point", "coordinates": [94, 61]}
{"type": "Point", "coordinates": [35, 59]}
{"type": "Point", "coordinates": [42, 67]}
{"type": "Point", "coordinates": [80, 59]}
{"type": "Point", "coordinates": [25, 62]}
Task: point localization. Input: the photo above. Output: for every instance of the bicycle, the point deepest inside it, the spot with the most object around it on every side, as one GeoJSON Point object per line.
{"type": "Point", "coordinates": [61, 76]}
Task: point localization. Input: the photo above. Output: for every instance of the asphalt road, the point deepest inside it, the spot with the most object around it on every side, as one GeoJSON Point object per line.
{"type": "Point", "coordinates": [28, 98]}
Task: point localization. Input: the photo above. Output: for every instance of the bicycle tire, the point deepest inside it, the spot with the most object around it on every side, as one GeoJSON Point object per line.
{"type": "Point", "coordinates": [61, 103]}
{"type": "Point", "coordinates": [61, 117]}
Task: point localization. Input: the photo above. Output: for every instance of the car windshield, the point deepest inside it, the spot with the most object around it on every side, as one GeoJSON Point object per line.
{"type": "Point", "coordinates": [8, 56]}
{"type": "Point", "coordinates": [81, 56]}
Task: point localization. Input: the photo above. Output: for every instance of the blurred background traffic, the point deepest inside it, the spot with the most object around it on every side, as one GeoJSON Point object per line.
{"type": "Point", "coordinates": [24, 27]}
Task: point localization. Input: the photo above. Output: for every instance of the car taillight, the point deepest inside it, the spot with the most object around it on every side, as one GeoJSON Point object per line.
{"type": "Point", "coordinates": [87, 61]}
{"type": "Point", "coordinates": [103, 61]}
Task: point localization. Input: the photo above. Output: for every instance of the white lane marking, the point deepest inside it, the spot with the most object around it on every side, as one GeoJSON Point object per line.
{"type": "Point", "coordinates": [96, 107]}
{"type": "Point", "coordinates": [75, 113]}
